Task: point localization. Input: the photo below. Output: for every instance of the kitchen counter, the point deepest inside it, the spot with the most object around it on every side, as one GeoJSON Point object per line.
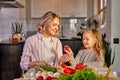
{"type": "Point", "coordinates": [10, 56]}
{"type": "Point", "coordinates": [72, 39]}
{"type": "Point", "coordinates": [8, 42]}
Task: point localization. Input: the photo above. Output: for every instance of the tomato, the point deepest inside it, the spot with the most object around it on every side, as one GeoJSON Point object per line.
{"type": "Point", "coordinates": [48, 78]}
{"type": "Point", "coordinates": [40, 78]}
{"type": "Point", "coordinates": [67, 48]}
{"type": "Point", "coordinates": [69, 70]}
{"type": "Point", "coordinates": [80, 66]}
{"type": "Point", "coordinates": [15, 39]}
{"type": "Point", "coordinates": [63, 65]}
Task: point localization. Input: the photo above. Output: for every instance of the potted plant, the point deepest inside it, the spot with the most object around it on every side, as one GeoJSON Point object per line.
{"type": "Point", "coordinates": [108, 59]}
{"type": "Point", "coordinates": [108, 52]}
{"type": "Point", "coordinates": [17, 30]}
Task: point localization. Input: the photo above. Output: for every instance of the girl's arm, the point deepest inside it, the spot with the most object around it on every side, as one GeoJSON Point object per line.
{"type": "Point", "coordinates": [75, 60]}
{"type": "Point", "coordinates": [92, 61]}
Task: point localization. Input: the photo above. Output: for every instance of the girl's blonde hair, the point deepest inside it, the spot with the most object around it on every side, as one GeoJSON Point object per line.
{"type": "Point", "coordinates": [98, 45]}
{"type": "Point", "coordinates": [46, 19]}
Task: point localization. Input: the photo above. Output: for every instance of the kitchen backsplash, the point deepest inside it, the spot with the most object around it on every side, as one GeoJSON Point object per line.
{"type": "Point", "coordinates": [5, 28]}
{"type": "Point", "coordinates": [70, 26]}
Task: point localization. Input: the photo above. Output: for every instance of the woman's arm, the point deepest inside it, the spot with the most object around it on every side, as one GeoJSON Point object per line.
{"type": "Point", "coordinates": [25, 59]}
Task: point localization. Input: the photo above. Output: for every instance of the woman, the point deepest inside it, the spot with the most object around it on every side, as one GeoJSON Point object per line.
{"type": "Point", "coordinates": [43, 48]}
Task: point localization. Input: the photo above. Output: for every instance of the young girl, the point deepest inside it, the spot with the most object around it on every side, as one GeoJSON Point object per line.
{"type": "Point", "coordinates": [92, 53]}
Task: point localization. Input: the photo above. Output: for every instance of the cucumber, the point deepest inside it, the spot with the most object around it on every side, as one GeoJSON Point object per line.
{"type": "Point", "coordinates": [37, 69]}
{"type": "Point", "coordinates": [49, 68]}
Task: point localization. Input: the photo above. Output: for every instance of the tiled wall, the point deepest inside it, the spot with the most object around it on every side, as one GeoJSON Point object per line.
{"type": "Point", "coordinates": [8, 16]}
{"type": "Point", "coordinates": [5, 26]}
{"type": "Point", "coordinates": [68, 30]}
{"type": "Point", "coordinates": [70, 27]}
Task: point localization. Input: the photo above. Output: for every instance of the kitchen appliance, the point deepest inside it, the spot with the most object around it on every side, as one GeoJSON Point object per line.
{"type": "Point", "coordinates": [10, 4]}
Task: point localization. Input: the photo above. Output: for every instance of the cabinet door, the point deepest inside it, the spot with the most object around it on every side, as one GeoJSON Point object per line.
{"type": "Point", "coordinates": [77, 46]}
{"type": "Point", "coordinates": [70, 43]}
{"type": "Point", "coordinates": [10, 56]}
{"type": "Point", "coordinates": [39, 7]}
{"type": "Point", "coordinates": [73, 8]}
{"type": "Point", "coordinates": [67, 42]}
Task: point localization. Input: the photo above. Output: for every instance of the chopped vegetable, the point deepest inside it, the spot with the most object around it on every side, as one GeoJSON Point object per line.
{"type": "Point", "coordinates": [40, 78]}
{"type": "Point", "coordinates": [48, 78]}
{"type": "Point", "coordinates": [69, 70]}
{"type": "Point", "coordinates": [85, 74]}
{"type": "Point", "coordinates": [37, 69]}
{"type": "Point", "coordinates": [63, 65]}
{"type": "Point", "coordinates": [80, 66]}
{"type": "Point", "coordinates": [49, 68]}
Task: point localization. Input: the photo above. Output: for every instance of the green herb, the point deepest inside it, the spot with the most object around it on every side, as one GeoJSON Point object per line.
{"type": "Point", "coordinates": [85, 74]}
{"type": "Point", "coordinates": [37, 69]}
{"type": "Point", "coordinates": [49, 68]}
{"type": "Point", "coordinates": [65, 77]}
{"type": "Point", "coordinates": [108, 52]}
{"type": "Point", "coordinates": [16, 27]}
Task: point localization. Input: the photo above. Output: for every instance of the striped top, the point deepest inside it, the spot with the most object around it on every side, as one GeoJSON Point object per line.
{"type": "Point", "coordinates": [87, 57]}
{"type": "Point", "coordinates": [35, 50]}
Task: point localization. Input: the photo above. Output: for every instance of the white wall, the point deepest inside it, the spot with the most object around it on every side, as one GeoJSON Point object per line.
{"type": "Point", "coordinates": [115, 31]}
{"type": "Point", "coordinates": [7, 16]}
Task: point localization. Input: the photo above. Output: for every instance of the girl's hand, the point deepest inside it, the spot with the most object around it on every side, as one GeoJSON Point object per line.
{"type": "Point", "coordinates": [65, 58]}
{"type": "Point", "coordinates": [68, 50]}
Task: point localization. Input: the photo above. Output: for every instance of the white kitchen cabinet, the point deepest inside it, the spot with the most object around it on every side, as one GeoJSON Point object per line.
{"type": "Point", "coordinates": [39, 7]}
{"type": "Point", "coordinates": [64, 8]}
{"type": "Point", "coordinates": [73, 8]}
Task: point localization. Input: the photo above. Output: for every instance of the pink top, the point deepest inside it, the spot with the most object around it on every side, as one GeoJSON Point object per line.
{"type": "Point", "coordinates": [34, 50]}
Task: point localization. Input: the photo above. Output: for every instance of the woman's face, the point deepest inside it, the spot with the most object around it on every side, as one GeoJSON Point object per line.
{"type": "Point", "coordinates": [88, 40]}
{"type": "Point", "coordinates": [52, 27]}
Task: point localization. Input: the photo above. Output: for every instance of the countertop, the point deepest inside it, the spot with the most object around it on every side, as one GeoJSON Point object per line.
{"type": "Point", "coordinates": [8, 42]}
{"type": "Point", "coordinates": [23, 41]}
{"type": "Point", "coordinates": [74, 39]}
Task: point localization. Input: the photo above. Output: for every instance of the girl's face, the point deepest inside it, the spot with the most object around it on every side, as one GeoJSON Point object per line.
{"type": "Point", "coordinates": [52, 27]}
{"type": "Point", "coordinates": [88, 40]}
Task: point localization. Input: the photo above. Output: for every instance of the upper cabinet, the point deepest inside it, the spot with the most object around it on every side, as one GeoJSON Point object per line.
{"type": "Point", "coordinates": [39, 7]}
{"type": "Point", "coordinates": [64, 8]}
{"type": "Point", "coordinates": [73, 8]}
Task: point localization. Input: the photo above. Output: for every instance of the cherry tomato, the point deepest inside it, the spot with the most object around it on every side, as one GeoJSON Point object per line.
{"type": "Point", "coordinates": [67, 48]}
{"type": "Point", "coordinates": [15, 39]}
{"type": "Point", "coordinates": [69, 70]}
{"type": "Point", "coordinates": [80, 66]}
{"type": "Point", "coordinates": [63, 65]}
{"type": "Point", "coordinates": [48, 78]}
{"type": "Point", "coordinates": [40, 78]}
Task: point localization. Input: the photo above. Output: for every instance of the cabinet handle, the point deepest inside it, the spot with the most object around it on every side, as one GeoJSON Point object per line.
{"type": "Point", "coordinates": [72, 15]}
{"type": "Point", "coordinates": [73, 43]}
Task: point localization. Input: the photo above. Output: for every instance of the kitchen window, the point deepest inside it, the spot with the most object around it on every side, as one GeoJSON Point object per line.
{"type": "Point", "coordinates": [102, 4]}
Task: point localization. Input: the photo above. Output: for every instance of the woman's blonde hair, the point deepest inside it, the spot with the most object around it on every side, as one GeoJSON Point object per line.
{"type": "Point", "coordinates": [45, 19]}
{"type": "Point", "coordinates": [98, 45]}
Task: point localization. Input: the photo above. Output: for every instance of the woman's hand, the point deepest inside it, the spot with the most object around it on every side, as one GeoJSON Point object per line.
{"type": "Point", "coordinates": [40, 63]}
{"type": "Point", "coordinates": [37, 63]}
